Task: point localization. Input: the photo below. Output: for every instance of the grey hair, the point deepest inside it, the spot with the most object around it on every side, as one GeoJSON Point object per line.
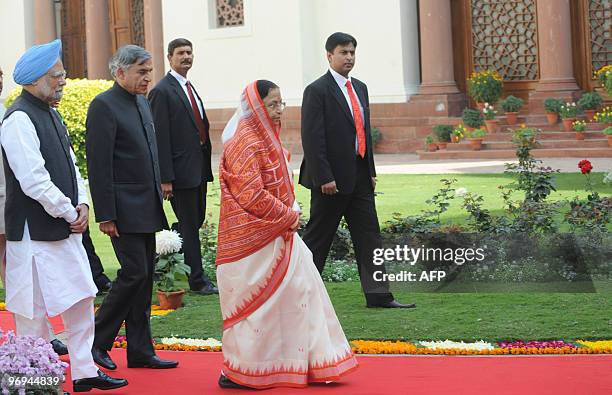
{"type": "Point", "coordinates": [126, 56]}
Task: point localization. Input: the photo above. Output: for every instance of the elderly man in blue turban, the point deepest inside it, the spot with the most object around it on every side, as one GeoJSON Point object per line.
{"type": "Point", "coordinates": [46, 212]}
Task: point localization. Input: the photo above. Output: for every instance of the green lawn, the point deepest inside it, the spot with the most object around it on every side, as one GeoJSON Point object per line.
{"type": "Point", "coordinates": [464, 316]}
{"type": "Point", "coordinates": [403, 193]}
{"type": "Point", "coordinates": [457, 316]}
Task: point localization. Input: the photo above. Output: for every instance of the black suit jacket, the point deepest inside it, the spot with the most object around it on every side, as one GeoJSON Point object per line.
{"type": "Point", "coordinates": [182, 160]}
{"type": "Point", "coordinates": [122, 162]}
{"type": "Point", "coordinates": [329, 133]}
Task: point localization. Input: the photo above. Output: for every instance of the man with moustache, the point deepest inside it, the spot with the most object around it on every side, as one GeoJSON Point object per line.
{"type": "Point", "coordinates": [338, 167]}
{"type": "Point", "coordinates": [184, 148]}
{"type": "Point", "coordinates": [47, 271]}
{"type": "Point", "coordinates": [59, 347]}
{"type": "Point", "coordinates": [126, 191]}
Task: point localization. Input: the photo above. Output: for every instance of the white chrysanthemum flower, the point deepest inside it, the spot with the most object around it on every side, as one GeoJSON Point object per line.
{"type": "Point", "coordinates": [167, 242]}
{"type": "Point", "coordinates": [210, 342]}
{"type": "Point", "coordinates": [461, 192]}
{"type": "Point", "coordinates": [477, 346]}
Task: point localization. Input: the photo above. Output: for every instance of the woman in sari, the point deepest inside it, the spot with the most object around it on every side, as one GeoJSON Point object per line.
{"type": "Point", "coordinates": [279, 326]}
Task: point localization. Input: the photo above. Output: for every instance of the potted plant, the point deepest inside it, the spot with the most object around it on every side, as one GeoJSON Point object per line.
{"type": "Point", "coordinates": [169, 267]}
{"type": "Point", "coordinates": [472, 118]}
{"type": "Point", "coordinates": [489, 113]}
{"type": "Point", "coordinates": [590, 102]}
{"type": "Point", "coordinates": [604, 75]}
{"type": "Point", "coordinates": [608, 133]}
{"type": "Point", "coordinates": [525, 137]}
{"type": "Point", "coordinates": [430, 143]}
{"type": "Point", "coordinates": [458, 133]}
{"type": "Point", "coordinates": [476, 136]}
{"type": "Point", "coordinates": [568, 113]}
{"type": "Point", "coordinates": [552, 107]}
{"type": "Point", "coordinates": [579, 127]}
{"type": "Point", "coordinates": [29, 360]}
{"type": "Point", "coordinates": [604, 116]}
{"type": "Point", "coordinates": [511, 106]}
{"type": "Point", "coordinates": [485, 87]}
{"type": "Point", "coordinates": [443, 135]}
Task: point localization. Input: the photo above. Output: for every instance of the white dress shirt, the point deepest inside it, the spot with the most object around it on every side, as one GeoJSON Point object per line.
{"type": "Point", "coordinates": [341, 81]}
{"type": "Point", "coordinates": [61, 267]}
{"type": "Point", "coordinates": [183, 82]}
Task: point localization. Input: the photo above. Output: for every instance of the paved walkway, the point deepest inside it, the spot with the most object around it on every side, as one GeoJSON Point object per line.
{"type": "Point", "coordinates": [410, 164]}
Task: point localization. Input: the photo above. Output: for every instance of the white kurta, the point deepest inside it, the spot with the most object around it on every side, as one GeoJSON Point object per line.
{"type": "Point", "coordinates": [62, 266]}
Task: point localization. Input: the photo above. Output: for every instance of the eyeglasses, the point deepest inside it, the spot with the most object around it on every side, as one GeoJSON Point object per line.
{"type": "Point", "coordinates": [274, 106]}
{"type": "Point", "coordinates": [58, 75]}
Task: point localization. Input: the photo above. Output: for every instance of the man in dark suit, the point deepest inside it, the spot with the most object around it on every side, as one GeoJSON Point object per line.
{"type": "Point", "coordinates": [184, 148]}
{"type": "Point", "coordinates": [338, 167]}
{"type": "Point", "coordinates": [126, 190]}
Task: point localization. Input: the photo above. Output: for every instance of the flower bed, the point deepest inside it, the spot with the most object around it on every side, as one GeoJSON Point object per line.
{"type": "Point", "coordinates": [445, 347]}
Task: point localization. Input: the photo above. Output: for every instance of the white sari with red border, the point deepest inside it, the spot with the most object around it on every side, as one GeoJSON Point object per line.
{"type": "Point", "coordinates": [280, 328]}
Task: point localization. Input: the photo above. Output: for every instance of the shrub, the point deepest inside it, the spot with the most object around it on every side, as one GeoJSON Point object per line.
{"type": "Point", "coordinates": [489, 112]}
{"type": "Point", "coordinates": [485, 86]}
{"type": "Point", "coordinates": [590, 101]}
{"type": "Point", "coordinates": [478, 133]}
{"type": "Point", "coordinates": [376, 136]}
{"type": "Point", "coordinates": [608, 131]}
{"type": "Point", "coordinates": [579, 126]}
{"type": "Point", "coordinates": [512, 104]}
{"type": "Point", "coordinates": [472, 118]}
{"type": "Point", "coordinates": [78, 94]}
{"type": "Point", "coordinates": [569, 110]}
{"type": "Point", "coordinates": [604, 75]}
{"type": "Point", "coordinates": [429, 139]}
{"type": "Point", "coordinates": [604, 116]}
{"type": "Point", "coordinates": [443, 132]}
{"type": "Point", "coordinates": [459, 131]}
{"type": "Point", "coordinates": [552, 105]}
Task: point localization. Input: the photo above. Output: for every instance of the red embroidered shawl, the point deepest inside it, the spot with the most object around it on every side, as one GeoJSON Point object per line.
{"type": "Point", "coordinates": [256, 189]}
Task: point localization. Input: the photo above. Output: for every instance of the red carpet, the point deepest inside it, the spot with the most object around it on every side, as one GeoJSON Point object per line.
{"type": "Point", "coordinates": [8, 323]}
{"type": "Point", "coordinates": [198, 372]}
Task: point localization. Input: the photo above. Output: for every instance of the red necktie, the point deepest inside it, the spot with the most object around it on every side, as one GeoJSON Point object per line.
{"type": "Point", "coordinates": [196, 115]}
{"type": "Point", "coordinates": [361, 140]}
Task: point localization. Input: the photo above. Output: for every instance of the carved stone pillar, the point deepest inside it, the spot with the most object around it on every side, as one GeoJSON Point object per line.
{"type": "Point", "coordinates": [44, 21]}
{"type": "Point", "coordinates": [438, 93]}
{"type": "Point", "coordinates": [555, 52]}
{"type": "Point", "coordinates": [98, 39]}
{"type": "Point", "coordinates": [154, 36]}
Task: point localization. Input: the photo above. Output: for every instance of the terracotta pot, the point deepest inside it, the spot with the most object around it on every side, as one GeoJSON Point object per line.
{"type": "Point", "coordinates": [580, 135]}
{"type": "Point", "coordinates": [476, 144]}
{"type": "Point", "coordinates": [170, 300]}
{"type": "Point", "coordinates": [590, 115]}
{"type": "Point", "coordinates": [492, 125]}
{"type": "Point", "coordinates": [432, 147]}
{"type": "Point", "coordinates": [567, 124]}
{"type": "Point", "coordinates": [442, 145]}
{"type": "Point", "coordinates": [511, 118]}
{"type": "Point", "coordinates": [609, 141]}
{"type": "Point", "coordinates": [454, 139]}
{"type": "Point", "coordinates": [552, 118]}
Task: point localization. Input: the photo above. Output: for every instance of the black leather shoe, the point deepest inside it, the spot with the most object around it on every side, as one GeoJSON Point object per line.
{"type": "Point", "coordinates": [153, 363]}
{"type": "Point", "coordinates": [102, 358]}
{"type": "Point", "coordinates": [224, 382]}
{"type": "Point", "coordinates": [101, 382]}
{"type": "Point", "coordinates": [394, 304]}
{"type": "Point", "coordinates": [59, 347]}
{"type": "Point", "coordinates": [208, 289]}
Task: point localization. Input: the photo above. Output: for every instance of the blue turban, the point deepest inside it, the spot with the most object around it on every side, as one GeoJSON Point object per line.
{"type": "Point", "coordinates": [36, 62]}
